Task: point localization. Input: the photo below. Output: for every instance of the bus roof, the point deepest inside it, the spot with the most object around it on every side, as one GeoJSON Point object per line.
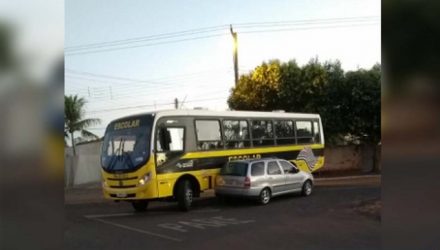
{"type": "Point", "coordinates": [211, 113]}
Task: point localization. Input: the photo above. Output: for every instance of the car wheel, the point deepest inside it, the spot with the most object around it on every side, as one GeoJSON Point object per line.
{"type": "Point", "coordinates": [307, 188]}
{"type": "Point", "coordinates": [265, 196]}
{"type": "Point", "coordinates": [140, 205]}
{"type": "Point", "coordinates": [184, 195]}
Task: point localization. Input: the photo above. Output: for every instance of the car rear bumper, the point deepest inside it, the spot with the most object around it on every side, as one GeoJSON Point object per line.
{"type": "Point", "coordinates": [230, 191]}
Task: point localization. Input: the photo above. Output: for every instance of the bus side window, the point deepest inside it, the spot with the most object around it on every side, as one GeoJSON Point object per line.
{"type": "Point", "coordinates": [304, 132]}
{"type": "Point", "coordinates": [316, 134]}
{"type": "Point", "coordinates": [262, 133]}
{"type": "Point", "coordinates": [236, 133]}
{"type": "Point", "coordinates": [208, 134]}
{"type": "Point", "coordinates": [170, 139]}
{"type": "Point", "coordinates": [284, 132]}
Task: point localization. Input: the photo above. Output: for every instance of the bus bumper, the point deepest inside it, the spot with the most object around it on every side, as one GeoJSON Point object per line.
{"type": "Point", "coordinates": [149, 191]}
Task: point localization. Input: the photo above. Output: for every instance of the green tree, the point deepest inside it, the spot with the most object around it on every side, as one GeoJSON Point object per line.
{"type": "Point", "coordinates": [364, 108]}
{"type": "Point", "coordinates": [74, 119]}
{"type": "Point", "coordinates": [314, 88]}
{"type": "Point", "coordinates": [258, 90]}
{"type": "Point", "coordinates": [349, 103]}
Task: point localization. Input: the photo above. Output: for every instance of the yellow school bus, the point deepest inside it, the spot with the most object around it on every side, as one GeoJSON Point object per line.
{"type": "Point", "coordinates": [176, 154]}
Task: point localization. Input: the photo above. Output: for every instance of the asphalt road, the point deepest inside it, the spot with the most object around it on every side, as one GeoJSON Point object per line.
{"type": "Point", "coordinates": [328, 219]}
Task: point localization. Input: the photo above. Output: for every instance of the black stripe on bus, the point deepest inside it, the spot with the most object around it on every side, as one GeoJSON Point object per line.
{"type": "Point", "coordinates": [191, 164]}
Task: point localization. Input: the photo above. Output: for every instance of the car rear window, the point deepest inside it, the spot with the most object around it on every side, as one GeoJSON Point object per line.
{"type": "Point", "coordinates": [235, 169]}
{"type": "Point", "coordinates": [257, 169]}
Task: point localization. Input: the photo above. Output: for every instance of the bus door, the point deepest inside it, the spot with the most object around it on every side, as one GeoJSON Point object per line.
{"type": "Point", "coordinates": [169, 145]}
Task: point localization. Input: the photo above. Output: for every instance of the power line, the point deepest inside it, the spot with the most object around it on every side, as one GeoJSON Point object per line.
{"type": "Point", "coordinates": [159, 81]}
{"type": "Point", "coordinates": [138, 88]}
{"type": "Point", "coordinates": [307, 21]}
{"type": "Point", "coordinates": [150, 105]}
{"type": "Point", "coordinates": [308, 28]}
{"type": "Point", "coordinates": [213, 28]}
{"type": "Point", "coordinates": [110, 115]}
{"type": "Point", "coordinates": [149, 38]}
{"type": "Point", "coordinates": [130, 84]}
{"type": "Point", "coordinates": [144, 45]}
{"type": "Point", "coordinates": [105, 97]}
{"type": "Point", "coordinates": [80, 77]}
{"type": "Point", "coordinates": [135, 96]}
{"type": "Point", "coordinates": [95, 48]}
{"type": "Point", "coordinates": [132, 91]}
{"type": "Point", "coordinates": [190, 75]}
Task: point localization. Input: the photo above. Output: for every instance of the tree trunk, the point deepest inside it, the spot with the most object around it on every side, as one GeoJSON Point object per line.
{"type": "Point", "coordinates": [73, 144]}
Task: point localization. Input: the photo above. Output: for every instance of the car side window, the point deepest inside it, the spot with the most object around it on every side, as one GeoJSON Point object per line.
{"type": "Point", "coordinates": [273, 168]}
{"type": "Point", "coordinates": [288, 167]}
{"type": "Point", "coordinates": [257, 169]}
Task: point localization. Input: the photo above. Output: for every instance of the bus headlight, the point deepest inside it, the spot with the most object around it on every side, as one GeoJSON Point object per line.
{"type": "Point", "coordinates": [145, 179]}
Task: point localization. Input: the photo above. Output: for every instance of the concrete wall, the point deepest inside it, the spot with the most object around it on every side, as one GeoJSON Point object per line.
{"type": "Point", "coordinates": [92, 148]}
{"type": "Point", "coordinates": [342, 158]}
{"type": "Point", "coordinates": [85, 167]}
{"type": "Point", "coordinates": [363, 158]}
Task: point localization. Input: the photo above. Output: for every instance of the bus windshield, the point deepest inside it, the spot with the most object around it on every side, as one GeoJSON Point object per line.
{"type": "Point", "coordinates": [126, 144]}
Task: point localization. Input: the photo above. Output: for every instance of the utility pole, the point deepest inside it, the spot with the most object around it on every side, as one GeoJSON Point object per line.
{"type": "Point", "coordinates": [234, 36]}
{"type": "Point", "coordinates": [181, 104]}
{"type": "Point", "coordinates": [176, 103]}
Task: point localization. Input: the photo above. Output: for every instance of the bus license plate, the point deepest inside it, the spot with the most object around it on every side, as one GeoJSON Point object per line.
{"type": "Point", "coordinates": [121, 195]}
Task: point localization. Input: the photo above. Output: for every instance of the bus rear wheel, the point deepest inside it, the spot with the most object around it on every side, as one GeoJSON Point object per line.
{"type": "Point", "coordinates": [184, 195]}
{"type": "Point", "coordinates": [140, 205]}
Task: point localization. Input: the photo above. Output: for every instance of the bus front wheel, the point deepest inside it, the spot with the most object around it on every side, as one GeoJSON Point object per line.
{"type": "Point", "coordinates": [184, 195]}
{"type": "Point", "coordinates": [140, 205]}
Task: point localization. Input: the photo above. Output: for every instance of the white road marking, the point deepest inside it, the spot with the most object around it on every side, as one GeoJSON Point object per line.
{"type": "Point", "coordinates": [133, 229]}
{"type": "Point", "coordinates": [173, 226]}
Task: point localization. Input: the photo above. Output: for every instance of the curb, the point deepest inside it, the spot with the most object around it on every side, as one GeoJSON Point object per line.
{"type": "Point", "coordinates": [353, 177]}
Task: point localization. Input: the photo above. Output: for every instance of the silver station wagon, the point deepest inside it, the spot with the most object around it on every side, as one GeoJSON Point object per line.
{"type": "Point", "coordinates": [262, 179]}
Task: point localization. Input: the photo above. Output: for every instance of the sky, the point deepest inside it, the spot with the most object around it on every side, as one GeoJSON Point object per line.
{"type": "Point", "coordinates": [141, 76]}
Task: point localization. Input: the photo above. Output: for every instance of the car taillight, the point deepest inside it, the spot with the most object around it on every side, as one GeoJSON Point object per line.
{"type": "Point", "coordinates": [247, 182]}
